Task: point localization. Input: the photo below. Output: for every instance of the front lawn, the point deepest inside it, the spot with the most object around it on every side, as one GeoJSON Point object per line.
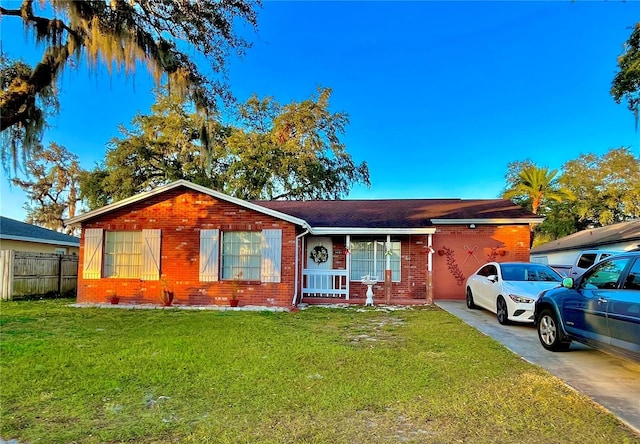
{"type": "Point", "coordinates": [92, 375]}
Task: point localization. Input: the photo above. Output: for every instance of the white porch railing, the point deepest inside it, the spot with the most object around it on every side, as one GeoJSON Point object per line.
{"type": "Point", "coordinates": [325, 283]}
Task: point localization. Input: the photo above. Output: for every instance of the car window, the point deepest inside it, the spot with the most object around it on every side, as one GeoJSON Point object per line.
{"type": "Point", "coordinates": [586, 260]}
{"type": "Point", "coordinates": [488, 270]}
{"type": "Point", "coordinates": [632, 281]}
{"type": "Point", "coordinates": [528, 272]}
{"type": "Point", "coordinates": [605, 274]}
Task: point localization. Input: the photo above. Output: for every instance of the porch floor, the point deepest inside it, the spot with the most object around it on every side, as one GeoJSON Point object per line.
{"type": "Point", "coordinates": [361, 301]}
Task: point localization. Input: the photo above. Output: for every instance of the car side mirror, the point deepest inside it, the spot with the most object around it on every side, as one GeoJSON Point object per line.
{"type": "Point", "coordinates": [493, 278]}
{"type": "Point", "coordinates": [567, 282]}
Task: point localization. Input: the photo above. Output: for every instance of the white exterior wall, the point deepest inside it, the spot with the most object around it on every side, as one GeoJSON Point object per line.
{"type": "Point", "coordinates": [36, 247]}
{"type": "Point", "coordinates": [568, 257]}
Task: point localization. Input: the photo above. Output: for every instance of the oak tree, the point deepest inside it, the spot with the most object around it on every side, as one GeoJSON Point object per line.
{"type": "Point", "coordinates": [270, 151]}
{"type": "Point", "coordinates": [52, 187]}
{"type": "Point", "coordinates": [34, 112]}
{"type": "Point", "coordinates": [161, 147]}
{"type": "Point", "coordinates": [291, 151]}
{"type": "Point", "coordinates": [168, 36]}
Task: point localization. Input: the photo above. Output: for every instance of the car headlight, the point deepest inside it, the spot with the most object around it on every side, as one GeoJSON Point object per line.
{"type": "Point", "coordinates": [520, 299]}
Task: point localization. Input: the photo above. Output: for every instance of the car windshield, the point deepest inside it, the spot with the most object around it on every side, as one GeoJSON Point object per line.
{"type": "Point", "coordinates": [529, 272]}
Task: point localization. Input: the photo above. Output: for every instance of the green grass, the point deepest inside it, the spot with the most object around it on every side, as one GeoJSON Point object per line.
{"type": "Point", "coordinates": [316, 376]}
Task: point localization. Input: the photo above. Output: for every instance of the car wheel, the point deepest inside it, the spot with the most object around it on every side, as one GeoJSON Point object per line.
{"type": "Point", "coordinates": [549, 332]}
{"type": "Point", "coordinates": [470, 303]}
{"type": "Point", "coordinates": [501, 311]}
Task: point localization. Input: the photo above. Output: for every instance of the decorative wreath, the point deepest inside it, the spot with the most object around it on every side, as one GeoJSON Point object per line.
{"type": "Point", "coordinates": [319, 254]}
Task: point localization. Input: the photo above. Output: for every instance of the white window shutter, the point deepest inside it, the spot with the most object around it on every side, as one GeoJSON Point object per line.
{"type": "Point", "coordinates": [209, 240]}
{"type": "Point", "coordinates": [271, 255]}
{"type": "Point", "coordinates": [92, 266]}
{"type": "Point", "coordinates": [150, 255]}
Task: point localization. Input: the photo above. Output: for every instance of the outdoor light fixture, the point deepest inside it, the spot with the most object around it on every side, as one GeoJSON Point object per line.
{"type": "Point", "coordinates": [472, 226]}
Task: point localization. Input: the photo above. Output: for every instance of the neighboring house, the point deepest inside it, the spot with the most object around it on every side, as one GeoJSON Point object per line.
{"type": "Point", "coordinates": [624, 236]}
{"type": "Point", "coordinates": [206, 246]}
{"type": "Point", "coordinates": [20, 236]}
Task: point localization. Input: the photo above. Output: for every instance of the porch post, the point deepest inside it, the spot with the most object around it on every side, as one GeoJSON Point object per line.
{"type": "Point", "coordinates": [430, 269]}
{"type": "Point", "coordinates": [387, 270]}
{"type": "Point", "coordinates": [347, 259]}
{"type": "Point", "coordinates": [298, 270]}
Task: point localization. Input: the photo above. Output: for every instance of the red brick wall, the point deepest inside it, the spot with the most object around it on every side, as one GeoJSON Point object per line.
{"type": "Point", "coordinates": [181, 214]}
{"type": "Point", "coordinates": [487, 243]}
{"type": "Point", "coordinates": [460, 251]}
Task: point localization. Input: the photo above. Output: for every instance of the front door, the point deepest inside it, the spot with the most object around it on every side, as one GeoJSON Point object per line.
{"type": "Point", "coordinates": [319, 253]}
{"type": "Point", "coordinates": [319, 264]}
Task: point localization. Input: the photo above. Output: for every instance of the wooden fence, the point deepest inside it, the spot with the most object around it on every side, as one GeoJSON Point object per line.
{"type": "Point", "coordinates": [24, 274]}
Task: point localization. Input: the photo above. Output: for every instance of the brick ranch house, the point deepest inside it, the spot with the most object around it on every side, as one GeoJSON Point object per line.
{"type": "Point", "coordinates": [206, 246]}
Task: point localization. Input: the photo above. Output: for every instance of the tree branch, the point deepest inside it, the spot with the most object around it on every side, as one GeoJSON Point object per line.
{"type": "Point", "coordinates": [40, 23]}
{"type": "Point", "coordinates": [15, 103]}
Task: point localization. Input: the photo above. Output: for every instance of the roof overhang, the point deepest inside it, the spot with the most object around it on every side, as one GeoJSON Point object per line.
{"type": "Point", "coordinates": [585, 246]}
{"type": "Point", "coordinates": [496, 221]}
{"type": "Point", "coordinates": [39, 240]}
{"type": "Point", "coordinates": [375, 231]}
{"type": "Point", "coordinates": [184, 183]}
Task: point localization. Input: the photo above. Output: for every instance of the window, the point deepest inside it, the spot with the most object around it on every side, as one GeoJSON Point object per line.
{"type": "Point", "coordinates": [369, 257]}
{"type": "Point", "coordinates": [605, 275]}
{"type": "Point", "coordinates": [241, 253]}
{"type": "Point", "coordinates": [632, 282]}
{"type": "Point", "coordinates": [586, 260]}
{"type": "Point", "coordinates": [122, 254]}
{"type": "Point", "coordinates": [62, 251]}
{"type": "Point", "coordinates": [488, 270]}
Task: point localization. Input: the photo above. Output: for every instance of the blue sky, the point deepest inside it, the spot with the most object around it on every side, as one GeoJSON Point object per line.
{"type": "Point", "coordinates": [441, 95]}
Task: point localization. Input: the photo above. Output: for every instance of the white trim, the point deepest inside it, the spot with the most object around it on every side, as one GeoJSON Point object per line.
{"type": "Point", "coordinates": [430, 254]}
{"type": "Point", "coordinates": [347, 244]}
{"type": "Point", "coordinates": [297, 262]}
{"type": "Point", "coordinates": [39, 240]}
{"type": "Point", "coordinates": [374, 231]}
{"type": "Point", "coordinates": [387, 257]}
{"type": "Point", "coordinates": [496, 221]}
{"type": "Point", "coordinates": [187, 184]}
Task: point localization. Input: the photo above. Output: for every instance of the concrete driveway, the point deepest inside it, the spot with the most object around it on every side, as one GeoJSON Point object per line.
{"type": "Point", "coordinates": [612, 382]}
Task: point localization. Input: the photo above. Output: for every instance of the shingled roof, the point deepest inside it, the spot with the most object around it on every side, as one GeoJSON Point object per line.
{"type": "Point", "coordinates": [594, 237]}
{"type": "Point", "coordinates": [11, 229]}
{"type": "Point", "coordinates": [359, 216]}
{"type": "Point", "coordinates": [402, 213]}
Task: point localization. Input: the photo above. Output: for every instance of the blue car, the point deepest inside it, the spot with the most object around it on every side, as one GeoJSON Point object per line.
{"type": "Point", "coordinates": [601, 308]}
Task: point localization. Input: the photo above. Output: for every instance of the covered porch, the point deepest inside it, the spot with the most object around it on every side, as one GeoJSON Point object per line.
{"type": "Point", "coordinates": [331, 267]}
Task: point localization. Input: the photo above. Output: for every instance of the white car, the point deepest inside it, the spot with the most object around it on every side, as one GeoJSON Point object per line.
{"type": "Point", "coordinates": [510, 289]}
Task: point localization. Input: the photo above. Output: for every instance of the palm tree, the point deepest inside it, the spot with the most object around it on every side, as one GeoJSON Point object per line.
{"type": "Point", "coordinates": [536, 185]}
